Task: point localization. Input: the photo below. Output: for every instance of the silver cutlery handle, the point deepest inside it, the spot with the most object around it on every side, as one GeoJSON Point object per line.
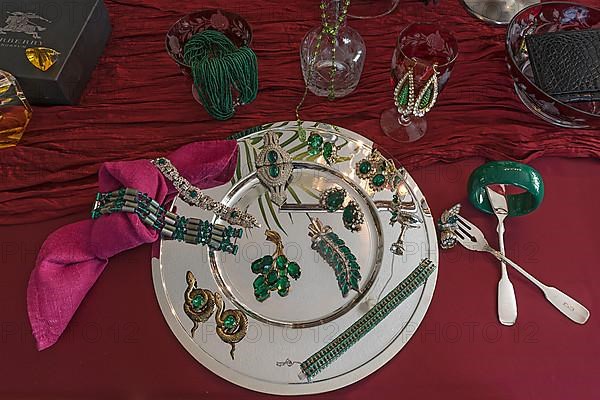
{"type": "Point", "coordinates": [565, 304]}
{"type": "Point", "coordinates": [507, 301]}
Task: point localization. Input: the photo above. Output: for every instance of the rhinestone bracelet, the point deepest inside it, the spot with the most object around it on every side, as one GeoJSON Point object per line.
{"type": "Point", "coordinates": [194, 197]}
{"type": "Point", "coordinates": [170, 225]}
{"type": "Point", "coordinates": [329, 353]}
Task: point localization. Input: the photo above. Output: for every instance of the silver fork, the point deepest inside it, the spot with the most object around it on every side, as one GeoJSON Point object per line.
{"type": "Point", "coordinates": [507, 301]}
{"type": "Point", "coordinates": [472, 238]}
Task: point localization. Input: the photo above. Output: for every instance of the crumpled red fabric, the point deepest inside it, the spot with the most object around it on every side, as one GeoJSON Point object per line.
{"type": "Point", "coordinates": [138, 104]}
{"type": "Point", "coordinates": [73, 257]}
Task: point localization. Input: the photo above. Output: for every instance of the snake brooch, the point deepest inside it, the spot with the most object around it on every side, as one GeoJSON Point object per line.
{"type": "Point", "coordinates": [199, 304]}
{"type": "Point", "coordinates": [232, 325]}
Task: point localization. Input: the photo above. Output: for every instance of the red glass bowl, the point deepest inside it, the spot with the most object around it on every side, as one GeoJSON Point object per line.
{"type": "Point", "coordinates": [231, 25]}
{"type": "Point", "coordinates": [542, 18]}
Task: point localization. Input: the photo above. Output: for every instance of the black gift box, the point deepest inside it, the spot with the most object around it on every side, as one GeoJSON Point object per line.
{"type": "Point", "coordinates": [78, 29]}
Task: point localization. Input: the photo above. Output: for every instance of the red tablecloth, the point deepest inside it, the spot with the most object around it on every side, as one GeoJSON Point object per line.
{"type": "Point", "coordinates": [138, 105]}
{"type": "Point", "coordinates": [118, 344]}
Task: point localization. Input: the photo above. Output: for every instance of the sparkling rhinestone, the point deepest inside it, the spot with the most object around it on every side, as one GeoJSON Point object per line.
{"type": "Point", "coordinates": [274, 171]}
{"type": "Point", "coordinates": [281, 261]}
{"type": "Point", "coordinates": [229, 322]}
{"type": "Point", "coordinates": [257, 266]}
{"type": "Point", "coordinates": [315, 140]}
{"type": "Point", "coordinates": [348, 215]}
{"type": "Point", "coordinates": [197, 301]}
{"type": "Point", "coordinates": [378, 180]}
{"type": "Point", "coordinates": [272, 156]}
{"type": "Point", "coordinates": [335, 199]}
{"type": "Point", "coordinates": [294, 270]}
{"type": "Point", "coordinates": [259, 283]}
{"type": "Point", "coordinates": [262, 294]}
{"type": "Point", "coordinates": [364, 167]}
{"type": "Point", "coordinates": [267, 260]}
{"type": "Point", "coordinates": [328, 151]}
{"type": "Point", "coordinates": [272, 277]}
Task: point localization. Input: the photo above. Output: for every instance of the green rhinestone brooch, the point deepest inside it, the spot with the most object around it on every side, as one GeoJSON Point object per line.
{"type": "Point", "coordinates": [447, 225]}
{"type": "Point", "coordinates": [274, 168]}
{"type": "Point", "coordinates": [335, 252]}
{"type": "Point", "coordinates": [274, 271]}
{"type": "Point", "coordinates": [333, 199]}
{"type": "Point", "coordinates": [380, 172]}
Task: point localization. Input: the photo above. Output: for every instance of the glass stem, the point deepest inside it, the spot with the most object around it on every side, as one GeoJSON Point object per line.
{"type": "Point", "coordinates": [404, 120]}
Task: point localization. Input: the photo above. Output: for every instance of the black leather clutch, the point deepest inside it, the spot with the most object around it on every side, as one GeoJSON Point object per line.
{"type": "Point", "coordinates": [566, 64]}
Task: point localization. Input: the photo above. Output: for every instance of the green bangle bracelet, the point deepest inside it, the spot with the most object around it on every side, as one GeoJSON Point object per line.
{"type": "Point", "coordinates": [508, 173]}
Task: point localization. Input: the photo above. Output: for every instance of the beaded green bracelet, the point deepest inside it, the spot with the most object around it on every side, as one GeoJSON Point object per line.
{"type": "Point", "coordinates": [170, 225]}
{"type": "Point", "coordinates": [338, 346]}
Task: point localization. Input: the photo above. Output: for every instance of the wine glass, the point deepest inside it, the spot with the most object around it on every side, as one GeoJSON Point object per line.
{"type": "Point", "coordinates": [421, 66]}
{"type": "Point", "coordinates": [230, 24]}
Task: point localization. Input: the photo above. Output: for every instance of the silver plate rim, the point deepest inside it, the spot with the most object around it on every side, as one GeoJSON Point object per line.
{"type": "Point", "coordinates": [316, 387]}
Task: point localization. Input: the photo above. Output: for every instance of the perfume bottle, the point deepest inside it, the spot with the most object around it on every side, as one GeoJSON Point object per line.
{"type": "Point", "coordinates": [332, 54]}
{"type": "Point", "coordinates": [15, 111]}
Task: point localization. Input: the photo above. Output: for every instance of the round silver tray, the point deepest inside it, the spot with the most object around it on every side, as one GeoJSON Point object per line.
{"type": "Point", "coordinates": [284, 331]}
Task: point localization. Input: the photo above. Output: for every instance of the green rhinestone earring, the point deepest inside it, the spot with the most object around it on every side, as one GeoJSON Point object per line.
{"type": "Point", "coordinates": [199, 304]}
{"type": "Point", "coordinates": [316, 145]}
{"type": "Point", "coordinates": [380, 172]}
{"type": "Point", "coordinates": [333, 199]}
{"type": "Point", "coordinates": [232, 325]}
{"type": "Point", "coordinates": [352, 216]}
{"type": "Point", "coordinates": [274, 270]}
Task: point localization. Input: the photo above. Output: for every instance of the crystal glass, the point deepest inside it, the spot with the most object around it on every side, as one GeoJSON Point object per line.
{"type": "Point", "coordinates": [430, 53]}
{"type": "Point", "coordinates": [15, 111]}
{"type": "Point", "coordinates": [231, 25]}
{"type": "Point", "coordinates": [541, 18]}
{"type": "Point", "coordinates": [364, 9]}
{"type": "Point", "coordinates": [332, 69]}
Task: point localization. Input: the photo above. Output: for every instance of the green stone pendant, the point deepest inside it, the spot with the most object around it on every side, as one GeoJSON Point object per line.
{"type": "Point", "coordinates": [273, 271]}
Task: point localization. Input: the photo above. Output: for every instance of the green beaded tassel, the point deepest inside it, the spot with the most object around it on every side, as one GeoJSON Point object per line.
{"type": "Point", "coordinates": [218, 68]}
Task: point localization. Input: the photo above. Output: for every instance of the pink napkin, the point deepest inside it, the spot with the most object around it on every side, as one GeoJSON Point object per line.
{"type": "Point", "coordinates": [74, 256]}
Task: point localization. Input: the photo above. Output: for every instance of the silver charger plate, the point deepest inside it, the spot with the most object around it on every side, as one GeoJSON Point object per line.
{"type": "Point", "coordinates": [284, 331]}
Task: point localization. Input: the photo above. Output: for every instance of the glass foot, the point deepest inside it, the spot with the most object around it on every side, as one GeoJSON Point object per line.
{"type": "Point", "coordinates": [400, 131]}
